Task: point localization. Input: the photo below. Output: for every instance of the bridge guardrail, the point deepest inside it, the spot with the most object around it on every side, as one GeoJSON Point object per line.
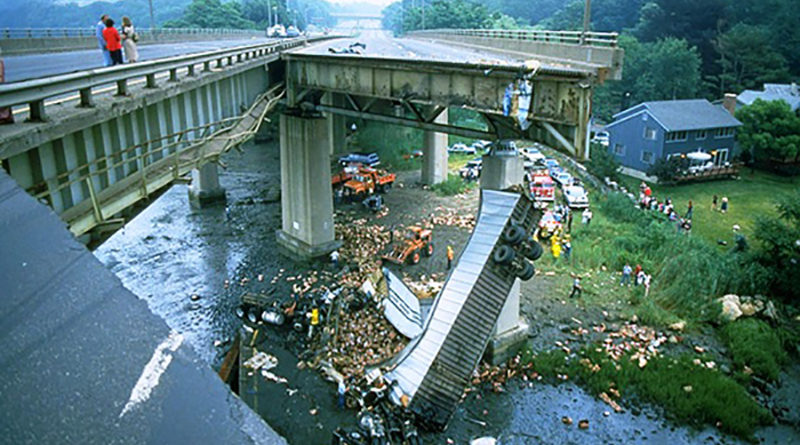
{"type": "Point", "coordinates": [601, 39]}
{"type": "Point", "coordinates": [35, 92]}
{"type": "Point", "coordinates": [47, 33]}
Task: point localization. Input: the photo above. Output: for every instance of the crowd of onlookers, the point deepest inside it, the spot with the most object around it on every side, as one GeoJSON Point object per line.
{"type": "Point", "coordinates": [112, 41]}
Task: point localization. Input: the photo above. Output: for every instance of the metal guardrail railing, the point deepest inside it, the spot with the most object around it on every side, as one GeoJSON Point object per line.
{"type": "Point", "coordinates": [600, 39]}
{"type": "Point", "coordinates": [46, 33]}
{"type": "Point", "coordinates": [35, 92]}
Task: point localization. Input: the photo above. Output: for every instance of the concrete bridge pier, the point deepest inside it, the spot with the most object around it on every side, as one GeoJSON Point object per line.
{"type": "Point", "coordinates": [434, 154]}
{"type": "Point", "coordinates": [306, 195]}
{"type": "Point", "coordinates": [205, 189]}
{"type": "Point", "coordinates": [502, 169]}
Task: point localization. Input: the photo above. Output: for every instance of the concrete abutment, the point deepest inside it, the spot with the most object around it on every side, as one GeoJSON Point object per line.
{"type": "Point", "coordinates": [434, 154]}
{"type": "Point", "coordinates": [205, 189]}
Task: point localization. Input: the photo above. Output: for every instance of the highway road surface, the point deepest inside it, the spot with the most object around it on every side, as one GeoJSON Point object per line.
{"type": "Point", "coordinates": [31, 66]}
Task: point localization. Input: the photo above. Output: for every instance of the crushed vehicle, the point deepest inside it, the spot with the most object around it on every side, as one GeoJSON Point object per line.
{"type": "Point", "coordinates": [576, 197]}
{"type": "Point", "coordinates": [345, 175]}
{"type": "Point", "coordinates": [367, 181]}
{"type": "Point", "coordinates": [367, 159]}
{"type": "Point", "coordinates": [260, 307]}
{"type": "Point", "coordinates": [461, 148]}
{"type": "Point", "coordinates": [472, 170]}
{"type": "Point", "coordinates": [353, 48]}
{"type": "Point", "coordinates": [417, 242]}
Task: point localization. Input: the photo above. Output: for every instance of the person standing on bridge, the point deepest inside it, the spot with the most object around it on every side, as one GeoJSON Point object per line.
{"type": "Point", "coordinates": [101, 26]}
{"type": "Point", "coordinates": [129, 39]}
{"type": "Point", "coordinates": [113, 42]}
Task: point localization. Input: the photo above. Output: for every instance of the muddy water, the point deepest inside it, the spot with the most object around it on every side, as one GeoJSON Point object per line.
{"type": "Point", "coordinates": [178, 259]}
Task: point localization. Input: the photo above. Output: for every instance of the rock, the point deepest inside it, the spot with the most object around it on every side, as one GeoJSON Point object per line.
{"type": "Point", "coordinates": [687, 388]}
{"type": "Point", "coordinates": [748, 309]}
{"type": "Point", "coordinates": [195, 297]}
{"type": "Point", "coordinates": [566, 420]}
{"type": "Point", "coordinates": [731, 309]}
{"type": "Point", "coordinates": [483, 441]}
{"type": "Point", "coordinates": [679, 326]}
{"type": "Point", "coordinates": [583, 424]}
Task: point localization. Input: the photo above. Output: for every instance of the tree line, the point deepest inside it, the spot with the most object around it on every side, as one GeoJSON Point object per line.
{"type": "Point", "coordinates": [253, 14]}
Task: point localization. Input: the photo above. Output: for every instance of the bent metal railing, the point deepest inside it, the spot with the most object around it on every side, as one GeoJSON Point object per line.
{"type": "Point", "coordinates": [35, 92]}
{"type": "Point", "coordinates": [47, 33]}
{"type": "Point", "coordinates": [600, 39]}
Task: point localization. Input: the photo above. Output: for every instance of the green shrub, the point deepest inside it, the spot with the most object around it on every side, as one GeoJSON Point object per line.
{"type": "Point", "coordinates": [754, 343]}
{"type": "Point", "coordinates": [453, 185]}
{"type": "Point", "coordinates": [687, 392]}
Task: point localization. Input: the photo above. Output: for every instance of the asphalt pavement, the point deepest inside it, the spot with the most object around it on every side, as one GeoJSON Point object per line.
{"type": "Point", "coordinates": [32, 66]}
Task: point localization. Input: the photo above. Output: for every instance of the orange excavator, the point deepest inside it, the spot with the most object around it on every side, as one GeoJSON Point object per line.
{"type": "Point", "coordinates": [417, 242]}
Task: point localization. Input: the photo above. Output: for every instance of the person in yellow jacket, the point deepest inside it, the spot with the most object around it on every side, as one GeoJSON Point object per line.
{"type": "Point", "coordinates": [555, 245]}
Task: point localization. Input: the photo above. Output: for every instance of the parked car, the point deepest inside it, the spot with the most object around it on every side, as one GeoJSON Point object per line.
{"type": "Point", "coordinates": [276, 31]}
{"type": "Point", "coordinates": [482, 146]}
{"type": "Point", "coordinates": [534, 155]}
{"type": "Point", "coordinates": [576, 197]}
{"type": "Point", "coordinates": [370, 159]}
{"type": "Point", "coordinates": [292, 31]}
{"type": "Point", "coordinates": [471, 169]}
{"type": "Point", "coordinates": [601, 137]}
{"type": "Point", "coordinates": [563, 179]}
{"type": "Point", "coordinates": [460, 148]}
{"type": "Point", "coordinates": [550, 163]}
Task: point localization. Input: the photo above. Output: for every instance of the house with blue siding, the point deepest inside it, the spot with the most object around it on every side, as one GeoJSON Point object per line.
{"type": "Point", "coordinates": [650, 131]}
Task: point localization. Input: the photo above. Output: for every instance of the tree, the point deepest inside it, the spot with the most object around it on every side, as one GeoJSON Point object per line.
{"type": "Point", "coordinates": [770, 130]}
{"type": "Point", "coordinates": [780, 241]}
{"type": "Point", "coordinates": [665, 169]}
{"type": "Point", "coordinates": [603, 164]}
{"type": "Point", "coordinates": [747, 58]}
{"type": "Point", "coordinates": [401, 17]}
{"type": "Point", "coordinates": [661, 70]}
{"type": "Point", "coordinates": [607, 15]}
{"type": "Point", "coordinates": [212, 14]}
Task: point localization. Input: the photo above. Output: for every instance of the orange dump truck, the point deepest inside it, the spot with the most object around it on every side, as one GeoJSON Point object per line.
{"type": "Point", "coordinates": [368, 180]}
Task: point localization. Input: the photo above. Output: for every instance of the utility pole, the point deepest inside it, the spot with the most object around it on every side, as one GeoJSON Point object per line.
{"type": "Point", "coordinates": [152, 17]}
{"type": "Point", "coordinates": [269, 13]}
{"type": "Point", "coordinates": [587, 18]}
{"type": "Point", "coordinates": [423, 14]}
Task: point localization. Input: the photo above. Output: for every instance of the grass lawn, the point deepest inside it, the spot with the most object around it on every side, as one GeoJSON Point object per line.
{"type": "Point", "coordinates": [752, 195]}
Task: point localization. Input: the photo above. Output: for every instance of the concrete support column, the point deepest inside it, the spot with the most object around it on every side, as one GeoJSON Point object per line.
{"type": "Point", "coordinates": [434, 154]}
{"type": "Point", "coordinates": [510, 332]}
{"type": "Point", "coordinates": [306, 194]}
{"type": "Point", "coordinates": [501, 170]}
{"type": "Point", "coordinates": [205, 189]}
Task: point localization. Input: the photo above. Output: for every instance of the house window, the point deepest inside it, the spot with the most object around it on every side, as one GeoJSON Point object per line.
{"type": "Point", "coordinates": [619, 149]}
{"type": "Point", "coordinates": [702, 134]}
{"type": "Point", "coordinates": [724, 132]}
{"type": "Point", "coordinates": [647, 157]}
{"type": "Point", "coordinates": [676, 136]}
{"type": "Point", "coordinates": [650, 133]}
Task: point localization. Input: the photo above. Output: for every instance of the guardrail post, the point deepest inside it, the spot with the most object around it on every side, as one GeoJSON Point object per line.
{"type": "Point", "coordinates": [230, 60]}
{"type": "Point", "coordinates": [150, 81]}
{"type": "Point", "coordinates": [86, 98]}
{"type": "Point", "coordinates": [191, 70]}
{"type": "Point", "coordinates": [122, 87]}
{"type": "Point", "coordinates": [36, 111]}
{"type": "Point", "coordinates": [219, 63]}
{"type": "Point", "coordinates": [206, 66]}
{"type": "Point", "coordinates": [173, 74]}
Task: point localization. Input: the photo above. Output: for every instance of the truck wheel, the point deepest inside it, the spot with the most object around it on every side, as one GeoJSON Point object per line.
{"type": "Point", "coordinates": [415, 257]}
{"type": "Point", "coordinates": [514, 234]}
{"type": "Point", "coordinates": [429, 250]}
{"type": "Point", "coordinates": [504, 254]}
{"type": "Point", "coordinates": [387, 187]}
{"type": "Point", "coordinates": [526, 272]}
{"type": "Point", "coordinates": [535, 251]}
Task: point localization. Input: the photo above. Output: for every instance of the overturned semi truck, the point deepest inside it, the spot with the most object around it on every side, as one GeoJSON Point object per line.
{"type": "Point", "coordinates": [431, 373]}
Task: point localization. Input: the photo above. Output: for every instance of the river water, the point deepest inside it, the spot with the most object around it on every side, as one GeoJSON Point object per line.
{"type": "Point", "coordinates": [188, 265]}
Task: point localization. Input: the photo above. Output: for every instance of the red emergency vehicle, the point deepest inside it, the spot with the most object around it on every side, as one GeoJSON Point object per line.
{"type": "Point", "coordinates": [542, 187]}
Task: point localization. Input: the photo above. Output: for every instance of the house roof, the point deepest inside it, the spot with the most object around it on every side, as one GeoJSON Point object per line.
{"type": "Point", "coordinates": [790, 93]}
{"type": "Point", "coordinates": [681, 115]}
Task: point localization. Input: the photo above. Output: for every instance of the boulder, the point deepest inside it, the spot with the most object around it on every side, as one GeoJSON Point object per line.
{"type": "Point", "coordinates": [679, 326]}
{"type": "Point", "coordinates": [731, 307]}
{"type": "Point", "coordinates": [770, 311]}
{"type": "Point", "coordinates": [748, 309]}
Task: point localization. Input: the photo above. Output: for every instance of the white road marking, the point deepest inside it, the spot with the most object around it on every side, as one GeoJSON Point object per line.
{"type": "Point", "coordinates": [152, 371]}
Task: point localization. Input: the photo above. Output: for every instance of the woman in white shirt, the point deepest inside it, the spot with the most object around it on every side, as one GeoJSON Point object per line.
{"type": "Point", "coordinates": [129, 39]}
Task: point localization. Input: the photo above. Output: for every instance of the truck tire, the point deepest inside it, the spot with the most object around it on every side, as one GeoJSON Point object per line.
{"type": "Point", "coordinates": [429, 250]}
{"type": "Point", "coordinates": [526, 272]}
{"type": "Point", "coordinates": [535, 251]}
{"type": "Point", "coordinates": [504, 254]}
{"type": "Point", "coordinates": [514, 234]}
{"type": "Point", "coordinates": [414, 257]}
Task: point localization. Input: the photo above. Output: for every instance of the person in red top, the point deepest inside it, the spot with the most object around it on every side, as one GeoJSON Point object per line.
{"type": "Point", "coordinates": [113, 42]}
